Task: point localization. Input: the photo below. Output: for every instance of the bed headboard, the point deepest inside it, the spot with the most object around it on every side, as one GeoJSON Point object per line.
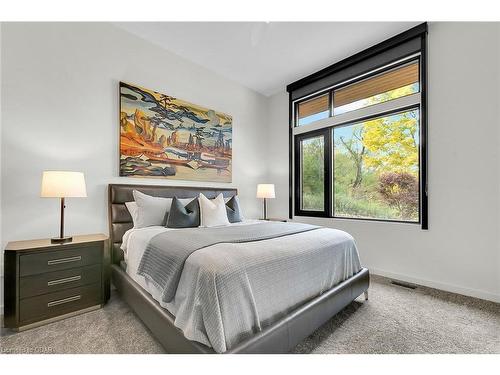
{"type": "Point", "coordinates": [119, 218]}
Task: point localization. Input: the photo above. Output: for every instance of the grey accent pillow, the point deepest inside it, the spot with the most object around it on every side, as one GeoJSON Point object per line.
{"type": "Point", "coordinates": [233, 210]}
{"type": "Point", "coordinates": [181, 216]}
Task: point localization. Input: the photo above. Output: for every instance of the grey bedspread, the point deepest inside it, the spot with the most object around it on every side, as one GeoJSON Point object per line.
{"type": "Point", "coordinates": [163, 261]}
{"type": "Point", "coordinates": [230, 291]}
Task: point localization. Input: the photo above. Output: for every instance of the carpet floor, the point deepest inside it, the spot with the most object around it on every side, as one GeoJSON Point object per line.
{"type": "Point", "coordinates": [394, 320]}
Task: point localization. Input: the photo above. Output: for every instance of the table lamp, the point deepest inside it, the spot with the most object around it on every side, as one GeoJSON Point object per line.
{"type": "Point", "coordinates": [265, 191]}
{"type": "Point", "coordinates": [62, 184]}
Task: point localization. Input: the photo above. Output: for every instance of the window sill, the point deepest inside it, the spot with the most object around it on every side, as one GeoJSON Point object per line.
{"type": "Point", "coordinates": [355, 219]}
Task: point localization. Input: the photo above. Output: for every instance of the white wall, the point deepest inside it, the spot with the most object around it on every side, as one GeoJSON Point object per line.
{"type": "Point", "coordinates": [460, 251]}
{"type": "Point", "coordinates": [60, 111]}
{"type": "Point", "coordinates": [60, 108]}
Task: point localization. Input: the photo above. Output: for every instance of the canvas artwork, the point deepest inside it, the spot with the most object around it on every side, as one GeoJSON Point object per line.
{"type": "Point", "coordinates": [162, 136]}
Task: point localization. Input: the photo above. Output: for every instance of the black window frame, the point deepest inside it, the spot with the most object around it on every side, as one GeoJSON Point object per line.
{"type": "Point", "coordinates": [327, 164]}
{"type": "Point", "coordinates": [368, 118]}
{"type": "Point", "coordinates": [312, 97]}
{"type": "Point", "coordinates": [327, 132]}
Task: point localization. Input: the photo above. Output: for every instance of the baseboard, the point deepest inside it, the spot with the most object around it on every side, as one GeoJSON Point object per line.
{"type": "Point", "coordinates": [437, 285]}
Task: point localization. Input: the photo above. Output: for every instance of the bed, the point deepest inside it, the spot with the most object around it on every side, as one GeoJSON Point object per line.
{"type": "Point", "coordinates": [277, 335]}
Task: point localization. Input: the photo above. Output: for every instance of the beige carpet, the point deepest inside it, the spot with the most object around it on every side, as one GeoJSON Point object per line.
{"type": "Point", "coordinates": [394, 320]}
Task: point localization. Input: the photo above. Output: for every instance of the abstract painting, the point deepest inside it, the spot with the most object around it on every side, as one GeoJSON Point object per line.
{"type": "Point", "coordinates": [162, 136]}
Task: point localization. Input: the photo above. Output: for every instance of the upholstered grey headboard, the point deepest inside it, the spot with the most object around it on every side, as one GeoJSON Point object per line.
{"type": "Point", "coordinates": [119, 218]}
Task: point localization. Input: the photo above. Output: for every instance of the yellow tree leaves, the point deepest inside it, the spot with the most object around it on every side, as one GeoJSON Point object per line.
{"type": "Point", "coordinates": [392, 143]}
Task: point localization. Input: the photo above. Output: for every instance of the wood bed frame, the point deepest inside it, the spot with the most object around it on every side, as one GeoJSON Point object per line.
{"type": "Point", "coordinates": [280, 337]}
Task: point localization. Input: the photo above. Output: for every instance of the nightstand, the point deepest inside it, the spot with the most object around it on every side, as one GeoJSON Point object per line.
{"type": "Point", "coordinates": [45, 282]}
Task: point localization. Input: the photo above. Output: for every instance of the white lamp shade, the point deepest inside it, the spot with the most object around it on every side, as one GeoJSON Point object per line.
{"type": "Point", "coordinates": [62, 184]}
{"type": "Point", "coordinates": [265, 191]}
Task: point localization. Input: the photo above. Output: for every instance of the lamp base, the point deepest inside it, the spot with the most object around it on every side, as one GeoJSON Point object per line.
{"type": "Point", "coordinates": [61, 239]}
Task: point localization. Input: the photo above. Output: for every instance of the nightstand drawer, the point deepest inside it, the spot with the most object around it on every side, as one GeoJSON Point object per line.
{"type": "Point", "coordinates": [58, 303]}
{"type": "Point", "coordinates": [36, 285]}
{"type": "Point", "coordinates": [50, 261]}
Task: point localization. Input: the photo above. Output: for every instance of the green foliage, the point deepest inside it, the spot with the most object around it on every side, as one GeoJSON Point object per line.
{"type": "Point", "coordinates": [313, 174]}
{"type": "Point", "coordinates": [355, 207]}
{"type": "Point", "coordinates": [362, 201]}
{"type": "Point", "coordinates": [400, 190]}
{"type": "Point", "coordinates": [376, 148]}
{"type": "Point", "coordinates": [375, 167]}
{"type": "Point", "coordinates": [313, 201]}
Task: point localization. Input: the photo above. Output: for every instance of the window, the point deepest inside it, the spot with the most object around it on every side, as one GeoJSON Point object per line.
{"type": "Point", "coordinates": [312, 172]}
{"type": "Point", "coordinates": [313, 110]}
{"type": "Point", "coordinates": [359, 144]}
{"type": "Point", "coordinates": [376, 168]}
{"type": "Point", "coordinates": [383, 87]}
{"type": "Point", "coordinates": [374, 156]}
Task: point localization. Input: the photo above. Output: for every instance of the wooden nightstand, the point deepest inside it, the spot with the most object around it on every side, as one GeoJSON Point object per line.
{"type": "Point", "coordinates": [45, 282]}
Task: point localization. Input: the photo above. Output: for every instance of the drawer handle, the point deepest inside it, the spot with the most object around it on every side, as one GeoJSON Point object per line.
{"type": "Point", "coordinates": [64, 300]}
{"type": "Point", "coordinates": [64, 281]}
{"type": "Point", "coordinates": [64, 260]}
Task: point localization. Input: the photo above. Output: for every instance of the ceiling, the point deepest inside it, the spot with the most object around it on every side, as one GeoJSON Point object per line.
{"type": "Point", "coordinates": [264, 56]}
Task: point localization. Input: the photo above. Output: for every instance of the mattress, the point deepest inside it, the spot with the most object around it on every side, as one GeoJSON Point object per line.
{"type": "Point", "coordinates": [230, 291]}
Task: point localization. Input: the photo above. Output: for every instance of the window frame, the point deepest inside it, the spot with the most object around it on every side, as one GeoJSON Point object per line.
{"type": "Point", "coordinates": [380, 115]}
{"type": "Point", "coordinates": [326, 128]}
{"type": "Point", "coordinates": [327, 164]}
{"type": "Point", "coordinates": [367, 75]}
{"type": "Point", "coordinates": [386, 68]}
{"type": "Point", "coordinates": [308, 98]}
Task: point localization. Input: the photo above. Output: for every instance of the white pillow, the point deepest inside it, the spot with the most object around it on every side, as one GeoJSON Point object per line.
{"type": "Point", "coordinates": [132, 208]}
{"type": "Point", "coordinates": [150, 210]}
{"type": "Point", "coordinates": [212, 212]}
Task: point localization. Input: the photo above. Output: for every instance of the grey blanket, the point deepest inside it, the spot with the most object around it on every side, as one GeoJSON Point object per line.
{"type": "Point", "coordinates": [166, 253]}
